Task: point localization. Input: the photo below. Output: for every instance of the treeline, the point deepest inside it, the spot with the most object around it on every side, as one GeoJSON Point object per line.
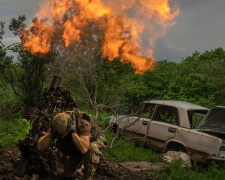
{"type": "Point", "coordinates": [97, 84]}
{"type": "Point", "coordinates": [113, 86]}
{"type": "Point", "coordinates": [197, 78]}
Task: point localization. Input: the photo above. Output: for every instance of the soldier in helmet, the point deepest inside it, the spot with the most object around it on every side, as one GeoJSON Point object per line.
{"type": "Point", "coordinates": [73, 133]}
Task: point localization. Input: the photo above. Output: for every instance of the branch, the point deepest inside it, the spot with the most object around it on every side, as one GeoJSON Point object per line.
{"type": "Point", "coordinates": [2, 134]}
{"type": "Point", "coordinates": [9, 46]}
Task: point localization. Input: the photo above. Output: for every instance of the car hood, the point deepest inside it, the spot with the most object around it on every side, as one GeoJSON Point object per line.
{"type": "Point", "coordinates": [214, 120]}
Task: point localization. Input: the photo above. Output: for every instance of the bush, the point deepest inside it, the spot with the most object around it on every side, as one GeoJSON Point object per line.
{"type": "Point", "coordinates": [9, 103]}
{"type": "Point", "coordinates": [14, 130]}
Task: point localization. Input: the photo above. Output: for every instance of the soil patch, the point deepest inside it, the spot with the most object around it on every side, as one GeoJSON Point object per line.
{"type": "Point", "coordinates": [10, 157]}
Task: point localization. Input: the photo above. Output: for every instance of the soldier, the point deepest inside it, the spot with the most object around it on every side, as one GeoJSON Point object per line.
{"type": "Point", "coordinates": [75, 138]}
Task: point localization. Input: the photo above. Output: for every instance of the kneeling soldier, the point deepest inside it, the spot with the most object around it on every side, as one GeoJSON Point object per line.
{"type": "Point", "coordinates": [73, 132]}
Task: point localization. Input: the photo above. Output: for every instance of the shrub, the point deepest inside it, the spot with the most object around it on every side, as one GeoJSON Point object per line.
{"type": "Point", "coordinates": [9, 103]}
{"type": "Point", "coordinates": [14, 130]}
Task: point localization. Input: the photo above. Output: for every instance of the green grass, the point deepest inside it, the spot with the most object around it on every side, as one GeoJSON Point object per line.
{"type": "Point", "coordinates": [127, 151]}
{"type": "Point", "coordinates": [14, 130]}
{"type": "Point", "coordinates": [175, 171]}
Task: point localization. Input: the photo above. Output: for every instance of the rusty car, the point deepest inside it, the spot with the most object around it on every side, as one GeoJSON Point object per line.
{"type": "Point", "coordinates": [175, 126]}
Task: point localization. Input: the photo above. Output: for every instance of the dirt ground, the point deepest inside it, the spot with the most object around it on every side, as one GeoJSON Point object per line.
{"type": "Point", "coordinates": [10, 157]}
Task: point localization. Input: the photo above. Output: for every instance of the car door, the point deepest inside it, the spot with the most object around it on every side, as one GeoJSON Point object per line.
{"type": "Point", "coordinates": [135, 126]}
{"type": "Point", "coordinates": [162, 126]}
{"type": "Point", "coordinates": [140, 123]}
{"type": "Point", "coordinates": [140, 130]}
{"type": "Point", "coordinates": [128, 125]}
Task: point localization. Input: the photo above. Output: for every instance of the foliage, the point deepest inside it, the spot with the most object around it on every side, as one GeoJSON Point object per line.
{"type": "Point", "coordinates": [215, 77]}
{"type": "Point", "coordinates": [114, 80]}
{"type": "Point", "coordinates": [26, 74]}
{"type": "Point", "coordinates": [196, 79]}
{"type": "Point", "coordinates": [202, 63]}
{"type": "Point", "coordinates": [9, 102]}
{"type": "Point", "coordinates": [127, 151]}
{"type": "Point", "coordinates": [193, 88]}
{"type": "Point", "coordinates": [175, 171]}
{"type": "Point", "coordinates": [211, 65]}
{"type": "Point", "coordinates": [14, 130]}
{"type": "Point", "coordinates": [160, 78]}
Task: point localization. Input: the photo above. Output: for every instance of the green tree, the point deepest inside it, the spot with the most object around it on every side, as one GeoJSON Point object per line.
{"type": "Point", "coordinates": [209, 64]}
{"type": "Point", "coordinates": [202, 63]}
{"type": "Point", "coordinates": [25, 73]}
{"type": "Point", "coordinates": [193, 88]}
{"type": "Point", "coordinates": [159, 79]}
{"type": "Point", "coordinates": [216, 77]}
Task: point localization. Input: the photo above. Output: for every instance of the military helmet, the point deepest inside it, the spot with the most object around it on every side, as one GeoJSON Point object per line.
{"type": "Point", "coordinates": [61, 124]}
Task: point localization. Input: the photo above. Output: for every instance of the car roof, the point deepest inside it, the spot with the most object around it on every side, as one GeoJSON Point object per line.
{"type": "Point", "coordinates": [179, 104]}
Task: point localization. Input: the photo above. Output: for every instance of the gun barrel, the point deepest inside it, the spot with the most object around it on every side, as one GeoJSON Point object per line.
{"type": "Point", "coordinates": [55, 82]}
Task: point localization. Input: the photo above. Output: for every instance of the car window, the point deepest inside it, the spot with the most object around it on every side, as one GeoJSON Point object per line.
{"type": "Point", "coordinates": [166, 114]}
{"type": "Point", "coordinates": [146, 110]}
{"type": "Point", "coordinates": [195, 117]}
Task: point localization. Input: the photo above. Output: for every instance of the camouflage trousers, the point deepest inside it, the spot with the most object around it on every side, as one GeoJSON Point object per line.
{"type": "Point", "coordinates": [89, 160]}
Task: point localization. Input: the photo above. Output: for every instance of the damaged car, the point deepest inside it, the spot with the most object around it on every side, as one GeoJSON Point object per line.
{"type": "Point", "coordinates": [175, 126]}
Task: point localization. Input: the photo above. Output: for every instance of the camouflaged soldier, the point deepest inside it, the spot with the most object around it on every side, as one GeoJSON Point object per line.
{"type": "Point", "coordinates": [78, 138]}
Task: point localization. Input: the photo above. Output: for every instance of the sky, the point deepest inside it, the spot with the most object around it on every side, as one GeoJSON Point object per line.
{"type": "Point", "coordinates": [200, 27]}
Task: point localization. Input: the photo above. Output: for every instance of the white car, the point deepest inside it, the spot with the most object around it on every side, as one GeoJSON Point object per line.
{"type": "Point", "coordinates": [172, 126]}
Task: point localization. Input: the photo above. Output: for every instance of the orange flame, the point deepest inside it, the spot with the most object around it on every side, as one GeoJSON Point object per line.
{"type": "Point", "coordinates": [39, 39]}
{"type": "Point", "coordinates": [131, 29]}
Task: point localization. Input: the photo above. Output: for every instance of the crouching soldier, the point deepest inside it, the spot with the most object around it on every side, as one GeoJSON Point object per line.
{"type": "Point", "coordinates": [77, 138]}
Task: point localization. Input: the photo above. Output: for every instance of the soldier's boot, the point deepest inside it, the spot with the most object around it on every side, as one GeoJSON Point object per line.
{"type": "Point", "coordinates": [22, 168]}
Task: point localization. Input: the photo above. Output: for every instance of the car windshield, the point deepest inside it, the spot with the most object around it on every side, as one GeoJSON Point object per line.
{"type": "Point", "coordinates": [215, 119]}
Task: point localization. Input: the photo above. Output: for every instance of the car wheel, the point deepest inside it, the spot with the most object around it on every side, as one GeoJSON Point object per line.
{"type": "Point", "coordinates": [176, 147]}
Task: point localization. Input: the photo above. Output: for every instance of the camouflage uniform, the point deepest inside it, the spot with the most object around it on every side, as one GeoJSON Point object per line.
{"type": "Point", "coordinates": [90, 160]}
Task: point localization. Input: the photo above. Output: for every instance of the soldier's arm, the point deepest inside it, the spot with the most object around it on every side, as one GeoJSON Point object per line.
{"type": "Point", "coordinates": [81, 142]}
{"type": "Point", "coordinates": [45, 140]}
